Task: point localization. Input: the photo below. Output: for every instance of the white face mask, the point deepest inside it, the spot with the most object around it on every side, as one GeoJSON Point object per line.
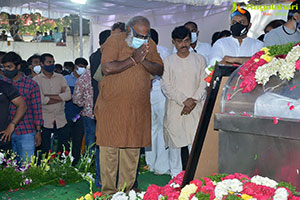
{"type": "Point", "coordinates": [37, 69]}
{"type": "Point", "coordinates": [194, 37]}
{"type": "Point", "coordinates": [80, 70]}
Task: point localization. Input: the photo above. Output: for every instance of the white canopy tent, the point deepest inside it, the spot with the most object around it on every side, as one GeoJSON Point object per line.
{"type": "Point", "coordinates": [164, 15]}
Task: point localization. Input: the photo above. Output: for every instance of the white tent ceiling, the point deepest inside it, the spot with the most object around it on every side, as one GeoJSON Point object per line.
{"type": "Point", "coordinates": [164, 15]}
{"type": "Point", "coordinates": [101, 7]}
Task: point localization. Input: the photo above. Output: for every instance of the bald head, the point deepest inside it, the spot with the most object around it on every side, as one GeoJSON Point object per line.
{"type": "Point", "coordinates": [137, 20]}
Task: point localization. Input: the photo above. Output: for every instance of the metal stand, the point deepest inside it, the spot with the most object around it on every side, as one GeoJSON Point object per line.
{"type": "Point", "coordinates": [208, 107]}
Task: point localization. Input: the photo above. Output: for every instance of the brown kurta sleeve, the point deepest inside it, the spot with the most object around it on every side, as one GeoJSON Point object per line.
{"type": "Point", "coordinates": [153, 55]}
{"type": "Point", "coordinates": [110, 50]}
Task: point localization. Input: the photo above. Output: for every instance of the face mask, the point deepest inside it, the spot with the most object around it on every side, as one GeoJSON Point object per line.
{"type": "Point", "coordinates": [80, 70]}
{"type": "Point", "coordinates": [11, 74]}
{"type": "Point", "coordinates": [37, 69]}
{"type": "Point", "coordinates": [239, 29]}
{"type": "Point", "coordinates": [194, 37]}
{"type": "Point", "coordinates": [49, 68]}
{"type": "Point", "coordinates": [137, 42]}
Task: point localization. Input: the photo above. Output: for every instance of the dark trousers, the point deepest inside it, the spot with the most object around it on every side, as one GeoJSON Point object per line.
{"type": "Point", "coordinates": [184, 156]}
{"type": "Point", "coordinates": [60, 133]}
{"type": "Point", "coordinates": [75, 132]}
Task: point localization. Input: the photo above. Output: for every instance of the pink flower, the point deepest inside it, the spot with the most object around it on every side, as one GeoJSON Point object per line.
{"type": "Point", "coordinates": [152, 192]}
{"type": "Point", "coordinates": [241, 177]}
{"type": "Point", "coordinates": [275, 120]}
{"type": "Point", "coordinates": [245, 114]}
{"type": "Point", "coordinates": [292, 107]}
{"type": "Point", "coordinates": [228, 97]}
{"type": "Point", "coordinates": [248, 84]}
{"type": "Point", "coordinates": [293, 87]}
{"type": "Point", "coordinates": [298, 65]}
{"type": "Point", "coordinates": [261, 62]}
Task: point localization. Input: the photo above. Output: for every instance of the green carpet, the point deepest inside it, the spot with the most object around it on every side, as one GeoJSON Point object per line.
{"type": "Point", "coordinates": [75, 190]}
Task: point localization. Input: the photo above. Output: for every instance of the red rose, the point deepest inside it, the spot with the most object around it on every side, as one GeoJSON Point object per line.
{"type": "Point", "coordinates": [53, 156]}
{"type": "Point", "coordinates": [59, 153]}
{"type": "Point", "coordinates": [62, 182]}
{"type": "Point", "coordinates": [97, 194]}
{"type": "Point", "coordinates": [66, 153]}
{"type": "Point", "coordinates": [281, 56]}
{"type": "Point", "coordinates": [261, 62]}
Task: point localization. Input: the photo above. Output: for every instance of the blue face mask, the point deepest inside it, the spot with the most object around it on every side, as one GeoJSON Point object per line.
{"type": "Point", "coordinates": [137, 42]}
{"type": "Point", "coordinates": [49, 68]}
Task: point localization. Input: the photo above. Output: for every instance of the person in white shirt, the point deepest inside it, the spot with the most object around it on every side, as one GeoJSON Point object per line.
{"type": "Point", "coordinates": [157, 155]}
{"type": "Point", "coordinates": [184, 87]}
{"type": "Point", "coordinates": [237, 48]}
{"type": "Point", "coordinates": [201, 48]}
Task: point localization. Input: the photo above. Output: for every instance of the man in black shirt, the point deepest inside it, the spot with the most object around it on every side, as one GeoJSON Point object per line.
{"type": "Point", "coordinates": [9, 94]}
{"type": "Point", "coordinates": [95, 60]}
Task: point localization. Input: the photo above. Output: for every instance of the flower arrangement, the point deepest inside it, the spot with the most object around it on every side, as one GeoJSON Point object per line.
{"type": "Point", "coordinates": [47, 169]}
{"type": "Point", "coordinates": [215, 187]}
{"type": "Point", "coordinates": [277, 60]}
{"type": "Point", "coordinates": [224, 187]}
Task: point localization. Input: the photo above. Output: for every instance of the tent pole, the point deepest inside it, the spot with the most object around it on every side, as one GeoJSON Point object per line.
{"type": "Point", "coordinates": [80, 29]}
{"type": "Point", "coordinates": [49, 7]}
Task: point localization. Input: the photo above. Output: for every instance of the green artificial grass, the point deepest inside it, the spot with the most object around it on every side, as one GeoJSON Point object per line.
{"type": "Point", "coordinates": [75, 190]}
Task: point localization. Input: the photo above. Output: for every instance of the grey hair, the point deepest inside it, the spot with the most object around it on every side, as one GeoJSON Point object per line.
{"type": "Point", "coordinates": [136, 20]}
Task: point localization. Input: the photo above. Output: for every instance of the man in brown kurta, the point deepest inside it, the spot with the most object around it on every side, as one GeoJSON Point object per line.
{"type": "Point", "coordinates": [123, 110]}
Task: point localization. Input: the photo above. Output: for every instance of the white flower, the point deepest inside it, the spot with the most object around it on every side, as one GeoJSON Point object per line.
{"type": "Point", "coordinates": [89, 160]}
{"type": "Point", "coordinates": [194, 198]}
{"type": "Point", "coordinates": [1, 157]}
{"type": "Point", "coordinates": [223, 187]}
{"type": "Point", "coordinates": [293, 55]}
{"type": "Point", "coordinates": [281, 194]}
{"type": "Point", "coordinates": [259, 180]}
{"type": "Point", "coordinates": [72, 159]}
{"type": "Point", "coordinates": [141, 195]}
{"type": "Point", "coordinates": [263, 73]}
{"type": "Point", "coordinates": [119, 196]}
{"type": "Point", "coordinates": [174, 185]}
{"type": "Point", "coordinates": [132, 195]}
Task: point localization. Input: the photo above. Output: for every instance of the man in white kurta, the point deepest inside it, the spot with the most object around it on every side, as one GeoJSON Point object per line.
{"type": "Point", "coordinates": [157, 155]}
{"type": "Point", "coordinates": [184, 87]}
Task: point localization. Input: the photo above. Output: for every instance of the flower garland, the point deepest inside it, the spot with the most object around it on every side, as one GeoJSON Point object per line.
{"type": "Point", "coordinates": [276, 60]}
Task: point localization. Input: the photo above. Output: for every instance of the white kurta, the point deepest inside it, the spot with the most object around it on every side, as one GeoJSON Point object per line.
{"type": "Point", "coordinates": [183, 78]}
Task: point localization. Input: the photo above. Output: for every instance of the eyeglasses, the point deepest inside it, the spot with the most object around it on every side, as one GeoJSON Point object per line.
{"type": "Point", "coordinates": [139, 35]}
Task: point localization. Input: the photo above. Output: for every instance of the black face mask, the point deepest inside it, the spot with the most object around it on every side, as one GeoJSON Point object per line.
{"type": "Point", "coordinates": [11, 74]}
{"type": "Point", "coordinates": [239, 29]}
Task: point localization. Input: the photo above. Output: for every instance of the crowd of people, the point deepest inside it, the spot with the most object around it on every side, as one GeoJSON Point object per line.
{"type": "Point", "coordinates": [133, 94]}
{"type": "Point", "coordinates": [55, 36]}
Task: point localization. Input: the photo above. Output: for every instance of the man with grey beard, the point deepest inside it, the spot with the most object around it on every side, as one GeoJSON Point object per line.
{"type": "Point", "coordinates": [123, 109]}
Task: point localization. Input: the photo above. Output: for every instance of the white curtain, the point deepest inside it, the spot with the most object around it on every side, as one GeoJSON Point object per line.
{"type": "Point", "coordinates": [209, 18]}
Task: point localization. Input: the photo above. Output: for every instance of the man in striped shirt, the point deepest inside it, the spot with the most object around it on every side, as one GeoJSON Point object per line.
{"type": "Point", "coordinates": [27, 134]}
